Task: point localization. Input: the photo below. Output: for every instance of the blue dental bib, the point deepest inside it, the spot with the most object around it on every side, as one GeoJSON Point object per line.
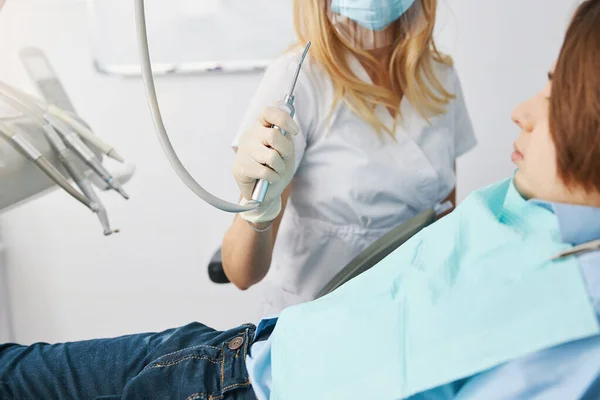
{"type": "Point", "coordinates": [472, 291]}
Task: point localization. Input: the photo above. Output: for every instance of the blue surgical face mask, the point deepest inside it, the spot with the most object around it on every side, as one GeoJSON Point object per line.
{"type": "Point", "coordinates": [371, 14]}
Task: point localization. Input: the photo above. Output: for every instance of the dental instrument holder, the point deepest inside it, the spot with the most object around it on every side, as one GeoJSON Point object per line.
{"type": "Point", "coordinates": [260, 189]}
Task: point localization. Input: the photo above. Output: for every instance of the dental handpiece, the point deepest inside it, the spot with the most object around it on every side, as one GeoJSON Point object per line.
{"type": "Point", "coordinates": [73, 141]}
{"type": "Point", "coordinates": [261, 187]}
{"type": "Point", "coordinates": [86, 133]}
{"type": "Point", "coordinates": [19, 140]}
{"type": "Point", "coordinates": [66, 157]}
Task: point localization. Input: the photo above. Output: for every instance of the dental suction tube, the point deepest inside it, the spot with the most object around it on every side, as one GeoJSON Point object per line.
{"type": "Point", "coordinates": [159, 126]}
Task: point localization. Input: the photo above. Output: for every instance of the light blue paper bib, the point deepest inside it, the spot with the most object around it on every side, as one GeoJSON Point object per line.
{"type": "Point", "coordinates": [470, 292]}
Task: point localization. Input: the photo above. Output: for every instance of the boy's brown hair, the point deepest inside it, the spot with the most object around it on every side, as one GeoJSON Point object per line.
{"type": "Point", "coordinates": [575, 100]}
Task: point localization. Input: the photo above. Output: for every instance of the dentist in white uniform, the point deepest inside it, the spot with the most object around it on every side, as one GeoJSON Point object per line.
{"type": "Point", "coordinates": [380, 121]}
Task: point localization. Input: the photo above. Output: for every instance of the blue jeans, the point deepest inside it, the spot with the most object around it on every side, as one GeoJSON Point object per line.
{"type": "Point", "coordinates": [191, 362]}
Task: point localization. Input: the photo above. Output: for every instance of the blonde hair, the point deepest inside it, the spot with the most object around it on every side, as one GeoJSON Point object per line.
{"type": "Point", "coordinates": [410, 72]}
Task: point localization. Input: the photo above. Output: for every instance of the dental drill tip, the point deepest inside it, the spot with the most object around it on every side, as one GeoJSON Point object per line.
{"type": "Point", "coordinates": [122, 193]}
{"type": "Point", "coordinates": [116, 156]}
{"type": "Point", "coordinates": [117, 187]}
{"type": "Point", "coordinates": [103, 217]}
{"type": "Point", "coordinates": [297, 73]}
{"type": "Point", "coordinates": [305, 52]}
{"type": "Point", "coordinates": [108, 232]}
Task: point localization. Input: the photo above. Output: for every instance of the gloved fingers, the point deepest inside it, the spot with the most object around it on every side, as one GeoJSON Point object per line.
{"type": "Point", "coordinates": [274, 116]}
{"type": "Point", "coordinates": [247, 169]}
{"type": "Point", "coordinates": [272, 138]}
{"type": "Point", "coordinates": [268, 157]}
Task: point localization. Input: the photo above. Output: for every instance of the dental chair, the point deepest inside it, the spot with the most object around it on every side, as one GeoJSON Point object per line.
{"type": "Point", "coordinates": [376, 252]}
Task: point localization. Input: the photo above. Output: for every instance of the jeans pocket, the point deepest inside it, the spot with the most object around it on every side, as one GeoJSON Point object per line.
{"type": "Point", "coordinates": [191, 373]}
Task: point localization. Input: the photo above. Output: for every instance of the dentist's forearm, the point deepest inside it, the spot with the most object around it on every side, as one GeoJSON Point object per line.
{"type": "Point", "coordinates": [246, 252]}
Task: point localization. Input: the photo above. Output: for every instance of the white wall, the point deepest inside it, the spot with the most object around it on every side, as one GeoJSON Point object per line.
{"type": "Point", "coordinates": [68, 282]}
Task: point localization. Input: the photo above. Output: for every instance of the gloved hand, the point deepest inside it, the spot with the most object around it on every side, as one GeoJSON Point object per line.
{"type": "Point", "coordinates": [264, 153]}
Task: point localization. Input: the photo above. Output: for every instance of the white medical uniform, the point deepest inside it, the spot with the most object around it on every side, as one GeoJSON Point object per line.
{"type": "Point", "coordinates": [351, 184]}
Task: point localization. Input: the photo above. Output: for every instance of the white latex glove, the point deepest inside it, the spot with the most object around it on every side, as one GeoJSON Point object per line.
{"type": "Point", "coordinates": [264, 153]}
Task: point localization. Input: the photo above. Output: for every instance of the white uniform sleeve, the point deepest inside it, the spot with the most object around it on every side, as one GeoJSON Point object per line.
{"type": "Point", "coordinates": [272, 89]}
{"type": "Point", "coordinates": [464, 135]}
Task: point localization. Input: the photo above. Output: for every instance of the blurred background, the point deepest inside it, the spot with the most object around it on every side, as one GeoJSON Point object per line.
{"type": "Point", "coordinates": [62, 280]}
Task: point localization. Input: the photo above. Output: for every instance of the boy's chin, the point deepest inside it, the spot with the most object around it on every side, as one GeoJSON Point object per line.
{"type": "Point", "coordinates": [521, 185]}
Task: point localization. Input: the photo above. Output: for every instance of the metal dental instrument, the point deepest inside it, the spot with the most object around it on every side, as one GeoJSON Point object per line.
{"type": "Point", "coordinates": [161, 132]}
{"type": "Point", "coordinates": [66, 157]}
{"type": "Point", "coordinates": [260, 190]}
{"type": "Point", "coordinates": [582, 248]}
{"type": "Point", "coordinates": [86, 133]}
{"type": "Point", "coordinates": [19, 140]}
{"type": "Point", "coordinates": [73, 141]}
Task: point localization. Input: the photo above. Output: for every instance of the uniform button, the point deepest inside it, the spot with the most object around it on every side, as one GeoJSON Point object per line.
{"type": "Point", "coordinates": [236, 343]}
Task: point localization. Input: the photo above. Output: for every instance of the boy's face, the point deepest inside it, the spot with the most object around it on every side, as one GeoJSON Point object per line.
{"type": "Point", "coordinates": [535, 153]}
